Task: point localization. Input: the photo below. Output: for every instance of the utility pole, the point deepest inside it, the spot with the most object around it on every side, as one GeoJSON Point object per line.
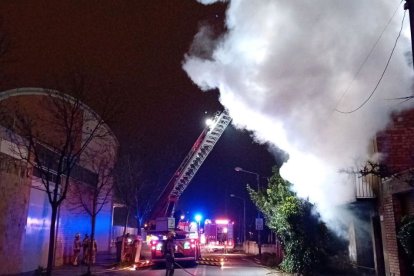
{"type": "Point", "coordinates": [244, 215]}
{"type": "Point", "coordinates": [260, 220]}
{"type": "Point", "coordinates": [409, 5]}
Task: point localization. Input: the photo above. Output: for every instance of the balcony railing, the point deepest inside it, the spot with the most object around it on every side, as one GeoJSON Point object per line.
{"type": "Point", "coordinates": [366, 186]}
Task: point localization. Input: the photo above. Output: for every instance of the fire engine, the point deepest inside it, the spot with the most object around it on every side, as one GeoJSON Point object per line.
{"type": "Point", "coordinates": [187, 246]}
{"type": "Point", "coordinates": [218, 235]}
{"type": "Point", "coordinates": [187, 238]}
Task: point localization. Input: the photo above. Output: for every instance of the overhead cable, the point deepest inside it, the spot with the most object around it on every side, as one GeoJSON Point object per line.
{"type": "Point", "coordinates": [382, 75]}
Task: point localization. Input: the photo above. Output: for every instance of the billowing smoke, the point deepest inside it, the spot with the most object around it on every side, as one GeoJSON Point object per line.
{"type": "Point", "coordinates": [285, 67]}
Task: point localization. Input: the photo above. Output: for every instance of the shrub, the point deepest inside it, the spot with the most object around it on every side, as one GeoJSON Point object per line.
{"type": "Point", "coordinates": [307, 241]}
{"type": "Point", "coordinates": [405, 236]}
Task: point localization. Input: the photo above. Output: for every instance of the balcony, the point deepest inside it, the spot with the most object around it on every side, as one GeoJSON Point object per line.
{"type": "Point", "coordinates": [366, 186]}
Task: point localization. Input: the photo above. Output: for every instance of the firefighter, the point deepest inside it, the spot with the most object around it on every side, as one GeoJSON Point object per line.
{"type": "Point", "coordinates": [169, 250]}
{"type": "Point", "coordinates": [76, 249]}
{"type": "Point", "coordinates": [85, 251]}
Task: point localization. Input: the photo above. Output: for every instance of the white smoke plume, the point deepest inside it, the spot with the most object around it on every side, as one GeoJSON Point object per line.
{"type": "Point", "coordinates": [283, 68]}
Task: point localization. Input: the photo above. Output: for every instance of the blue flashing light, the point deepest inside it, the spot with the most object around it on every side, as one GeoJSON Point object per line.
{"type": "Point", "coordinates": [198, 217]}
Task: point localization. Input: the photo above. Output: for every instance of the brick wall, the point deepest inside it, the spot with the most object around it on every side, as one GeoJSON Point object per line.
{"type": "Point", "coordinates": [393, 207]}
{"type": "Point", "coordinates": [396, 143]}
{"type": "Point", "coordinates": [390, 235]}
{"type": "Point", "coordinates": [397, 146]}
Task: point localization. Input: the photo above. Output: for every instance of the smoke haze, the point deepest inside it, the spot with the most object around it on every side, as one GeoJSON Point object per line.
{"type": "Point", "coordinates": [283, 68]}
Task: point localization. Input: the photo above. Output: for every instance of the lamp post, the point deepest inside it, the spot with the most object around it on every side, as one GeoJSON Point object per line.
{"type": "Point", "coordinates": [259, 224]}
{"type": "Point", "coordinates": [244, 215]}
{"type": "Point", "coordinates": [198, 218]}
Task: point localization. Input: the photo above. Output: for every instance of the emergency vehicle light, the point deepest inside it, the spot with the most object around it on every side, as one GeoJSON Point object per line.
{"type": "Point", "coordinates": [222, 221]}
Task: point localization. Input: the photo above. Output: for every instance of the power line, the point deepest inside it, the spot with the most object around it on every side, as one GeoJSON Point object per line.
{"type": "Point", "coordinates": [369, 54]}
{"type": "Point", "coordinates": [382, 75]}
{"type": "Point", "coordinates": [404, 99]}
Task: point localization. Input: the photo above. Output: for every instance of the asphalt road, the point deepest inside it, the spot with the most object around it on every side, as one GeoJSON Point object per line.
{"type": "Point", "coordinates": [230, 264]}
{"type": "Point", "coordinates": [211, 265]}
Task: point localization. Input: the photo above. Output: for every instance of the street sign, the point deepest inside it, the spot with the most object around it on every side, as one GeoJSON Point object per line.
{"type": "Point", "coordinates": [259, 224]}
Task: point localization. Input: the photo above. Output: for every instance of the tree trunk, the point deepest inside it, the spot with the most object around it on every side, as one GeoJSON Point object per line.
{"type": "Point", "coordinates": [123, 236]}
{"type": "Point", "coordinates": [52, 234]}
{"type": "Point", "coordinates": [93, 221]}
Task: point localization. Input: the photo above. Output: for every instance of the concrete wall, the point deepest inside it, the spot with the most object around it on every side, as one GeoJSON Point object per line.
{"type": "Point", "coordinates": [25, 216]}
{"type": "Point", "coordinates": [251, 247]}
{"type": "Point", "coordinates": [14, 196]}
{"type": "Point", "coordinates": [35, 243]}
{"type": "Point", "coordinates": [74, 219]}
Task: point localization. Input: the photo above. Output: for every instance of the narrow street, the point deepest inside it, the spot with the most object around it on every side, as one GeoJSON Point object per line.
{"type": "Point", "coordinates": [213, 264]}
{"type": "Point", "coordinates": [230, 264]}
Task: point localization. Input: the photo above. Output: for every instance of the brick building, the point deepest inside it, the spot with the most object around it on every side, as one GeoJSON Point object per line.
{"type": "Point", "coordinates": [26, 212]}
{"type": "Point", "coordinates": [396, 195]}
{"type": "Point", "coordinates": [383, 199]}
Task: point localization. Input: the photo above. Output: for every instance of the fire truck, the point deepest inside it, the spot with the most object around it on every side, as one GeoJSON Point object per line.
{"type": "Point", "coordinates": [187, 234]}
{"type": "Point", "coordinates": [218, 235]}
{"type": "Point", "coordinates": [187, 246]}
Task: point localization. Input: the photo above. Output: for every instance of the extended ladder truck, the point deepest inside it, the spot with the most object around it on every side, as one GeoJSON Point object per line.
{"type": "Point", "coordinates": [187, 240]}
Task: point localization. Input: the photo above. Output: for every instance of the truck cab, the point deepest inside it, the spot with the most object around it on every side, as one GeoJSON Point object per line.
{"type": "Point", "coordinates": [187, 242]}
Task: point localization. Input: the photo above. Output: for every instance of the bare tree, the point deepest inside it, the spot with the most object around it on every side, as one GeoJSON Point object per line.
{"type": "Point", "coordinates": [92, 199]}
{"type": "Point", "coordinates": [138, 189]}
{"type": "Point", "coordinates": [131, 190]}
{"type": "Point", "coordinates": [52, 139]}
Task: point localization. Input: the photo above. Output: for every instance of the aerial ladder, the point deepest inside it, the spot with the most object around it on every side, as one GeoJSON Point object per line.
{"type": "Point", "coordinates": [204, 144]}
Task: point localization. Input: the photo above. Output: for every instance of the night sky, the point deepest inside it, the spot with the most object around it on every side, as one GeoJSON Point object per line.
{"type": "Point", "coordinates": [137, 48]}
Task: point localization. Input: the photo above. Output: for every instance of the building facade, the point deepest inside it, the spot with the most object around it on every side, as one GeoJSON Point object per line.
{"type": "Point", "coordinates": [25, 219]}
{"type": "Point", "coordinates": [396, 194]}
{"type": "Point", "coordinates": [384, 196]}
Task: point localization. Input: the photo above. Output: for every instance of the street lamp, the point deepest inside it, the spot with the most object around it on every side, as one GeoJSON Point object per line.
{"type": "Point", "coordinates": [198, 218]}
{"type": "Point", "coordinates": [259, 221]}
{"type": "Point", "coordinates": [244, 215]}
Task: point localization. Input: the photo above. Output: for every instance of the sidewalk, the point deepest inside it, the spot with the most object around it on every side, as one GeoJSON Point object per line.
{"type": "Point", "coordinates": [105, 262]}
